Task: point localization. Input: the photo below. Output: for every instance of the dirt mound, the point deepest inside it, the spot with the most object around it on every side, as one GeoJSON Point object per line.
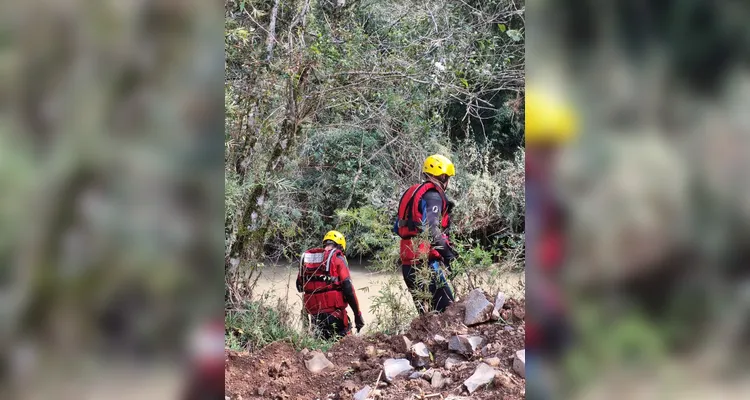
{"type": "Point", "coordinates": [279, 372]}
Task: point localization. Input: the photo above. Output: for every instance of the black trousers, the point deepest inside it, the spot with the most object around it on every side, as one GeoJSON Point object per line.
{"type": "Point", "coordinates": [442, 296]}
{"type": "Point", "coordinates": [328, 326]}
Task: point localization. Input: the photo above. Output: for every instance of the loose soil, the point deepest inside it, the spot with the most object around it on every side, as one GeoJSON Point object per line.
{"type": "Point", "coordinates": [278, 371]}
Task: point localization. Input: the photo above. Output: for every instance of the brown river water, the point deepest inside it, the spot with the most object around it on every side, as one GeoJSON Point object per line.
{"type": "Point", "coordinates": [278, 283]}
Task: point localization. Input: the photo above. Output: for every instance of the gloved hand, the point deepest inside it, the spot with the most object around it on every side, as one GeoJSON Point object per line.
{"type": "Point", "coordinates": [449, 246]}
{"type": "Point", "coordinates": [359, 322]}
{"type": "Point", "coordinates": [449, 207]}
{"type": "Point", "coordinates": [447, 263]}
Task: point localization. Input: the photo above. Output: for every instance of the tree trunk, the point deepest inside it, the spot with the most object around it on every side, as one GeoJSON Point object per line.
{"type": "Point", "coordinates": [271, 39]}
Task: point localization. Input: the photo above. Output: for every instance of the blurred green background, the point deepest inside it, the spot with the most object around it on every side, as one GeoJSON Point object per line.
{"type": "Point", "coordinates": [656, 190]}
{"type": "Point", "coordinates": [111, 157]}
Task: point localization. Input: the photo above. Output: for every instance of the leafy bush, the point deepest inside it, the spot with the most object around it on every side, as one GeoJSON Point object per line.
{"type": "Point", "coordinates": [393, 307]}
{"type": "Point", "coordinates": [257, 325]}
{"type": "Point", "coordinates": [368, 230]}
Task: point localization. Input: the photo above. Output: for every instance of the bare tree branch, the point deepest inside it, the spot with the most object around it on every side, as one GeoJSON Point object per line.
{"type": "Point", "coordinates": [271, 39]}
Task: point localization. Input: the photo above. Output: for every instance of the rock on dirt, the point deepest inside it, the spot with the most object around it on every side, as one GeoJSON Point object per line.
{"type": "Point", "coordinates": [363, 393]}
{"type": "Point", "coordinates": [437, 380]}
{"type": "Point", "coordinates": [492, 361]}
{"type": "Point", "coordinates": [491, 349]}
{"type": "Point", "coordinates": [451, 362]}
{"type": "Point", "coordinates": [483, 375]}
{"type": "Point", "coordinates": [426, 375]}
{"type": "Point", "coordinates": [465, 344]}
{"type": "Point", "coordinates": [370, 352]}
{"type": "Point", "coordinates": [395, 367]}
{"type": "Point", "coordinates": [439, 339]}
{"type": "Point", "coordinates": [519, 363]}
{"type": "Point", "coordinates": [499, 303]}
{"type": "Point", "coordinates": [407, 344]}
{"type": "Point", "coordinates": [502, 380]}
{"type": "Point", "coordinates": [278, 371]}
{"type": "Point", "coordinates": [347, 389]}
{"type": "Point", "coordinates": [318, 363]}
{"type": "Point", "coordinates": [420, 355]}
{"type": "Point", "coordinates": [478, 309]}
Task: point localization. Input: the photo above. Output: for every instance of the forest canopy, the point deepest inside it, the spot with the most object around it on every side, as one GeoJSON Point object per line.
{"type": "Point", "coordinates": [332, 106]}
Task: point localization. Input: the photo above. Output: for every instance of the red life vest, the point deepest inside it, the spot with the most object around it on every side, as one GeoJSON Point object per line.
{"type": "Point", "coordinates": [320, 282]}
{"type": "Point", "coordinates": [409, 222]}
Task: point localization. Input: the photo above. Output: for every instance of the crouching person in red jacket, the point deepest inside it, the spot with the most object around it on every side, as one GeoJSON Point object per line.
{"type": "Point", "coordinates": [327, 286]}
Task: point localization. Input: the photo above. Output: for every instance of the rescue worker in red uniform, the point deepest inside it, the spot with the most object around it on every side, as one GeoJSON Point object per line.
{"type": "Point", "coordinates": [550, 124]}
{"type": "Point", "coordinates": [325, 280]}
{"type": "Point", "coordinates": [424, 207]}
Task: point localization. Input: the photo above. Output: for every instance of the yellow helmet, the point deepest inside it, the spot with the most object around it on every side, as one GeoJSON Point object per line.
{"type": "Point", "coordinates": [437, 165]}
{"type": "Point", "coordinates": [336, 237]}
{"type": "Point", "coordinates": [549, 119]}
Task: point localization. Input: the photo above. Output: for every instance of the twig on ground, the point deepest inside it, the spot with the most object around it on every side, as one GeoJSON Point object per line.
{"type": "Point", "coordinates": [376, 385]}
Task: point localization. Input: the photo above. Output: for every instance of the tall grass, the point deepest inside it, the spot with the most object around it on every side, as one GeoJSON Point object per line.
{"type": "Point", "coordinates": [257, 325]}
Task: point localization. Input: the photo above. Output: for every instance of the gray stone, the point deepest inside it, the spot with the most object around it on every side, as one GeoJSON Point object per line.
{"type": "Point", "coordinates": [451, 362]}
{"type": "Point", "coordinates": [415, 375]}
{"type": "Point", "coordinates": [395, 367]}
{"type": "Point", "coordinates": [439, 339]}
{"type": "Point", "coordinates": [508, 328]}
{"type": "Point", "coordinates": [420, 355]}
{"type": "Point", "coordinates": [407, 343]}
{"type": "Point", "coordinates": [519, 363]}
{"type": "Point", "coordinates": [362, 394]}
{"type": "Point", "coordinates": [465, 344]}
{"type": "Point", "coordinates": [426, 375]}
{"type": "Point", "coordinates": [483, 375]}
{"type": "Point", "coordinates": [420, 349]}
{"type": "Point", "coordinates": [317, 363]}
{"type": "Point", "coordinates": [437, 380]}
{"type": "Point", "coordinates": [499, 302]}
{"type": "Point", "coordinates": [478, 309]}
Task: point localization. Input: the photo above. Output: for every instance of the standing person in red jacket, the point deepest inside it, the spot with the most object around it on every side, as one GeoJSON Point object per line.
{"type": "Point", "coordinates": [326, 282]}
{"type": "Point", "coordinates": [424, 207]}
{"type": "Point", "coordinates": [551, 123]}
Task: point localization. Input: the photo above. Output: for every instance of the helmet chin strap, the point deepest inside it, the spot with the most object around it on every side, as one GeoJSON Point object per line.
{"type": "Point", "coordinates": [435, 181]}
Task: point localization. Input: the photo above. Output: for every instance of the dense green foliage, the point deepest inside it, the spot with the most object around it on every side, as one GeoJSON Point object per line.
{"type": "Point", "coordinates": [333, 106]}
{"type": "Point", "coordinates": [257, 325]}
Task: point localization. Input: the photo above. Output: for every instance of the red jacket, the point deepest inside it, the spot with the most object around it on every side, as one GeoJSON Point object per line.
{"type": "Point", "coordinates": [415, 214]}
{"type": "Point", "coordinates": [325, 280]}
